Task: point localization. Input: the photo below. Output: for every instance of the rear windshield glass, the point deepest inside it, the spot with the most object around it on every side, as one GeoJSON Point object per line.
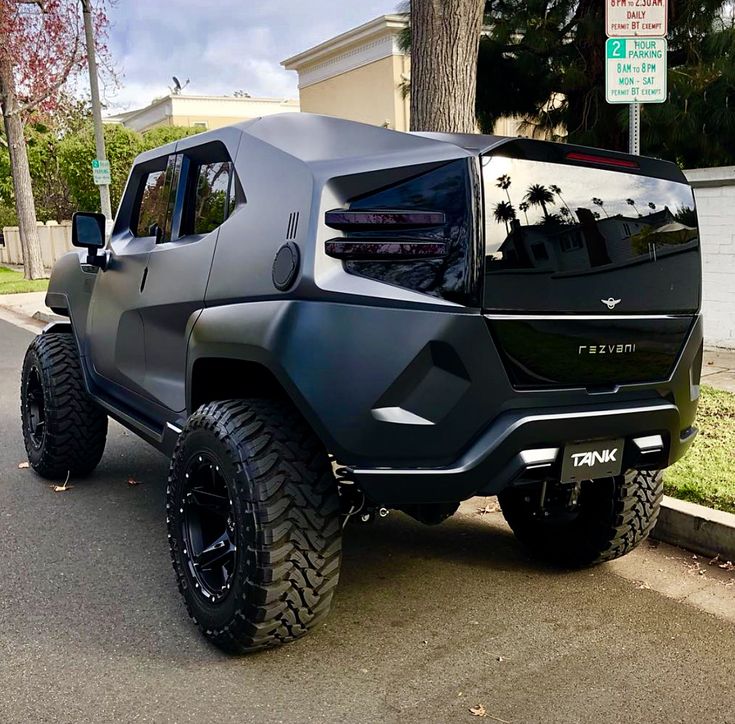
{"type": "Point", "coordinates": [557, 218]}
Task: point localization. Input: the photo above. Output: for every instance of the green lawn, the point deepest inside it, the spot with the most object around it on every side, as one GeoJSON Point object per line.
{"type": "Point", "coordinates": [706, 475]}
{"type": "Point", "coordinates": [12, 282]}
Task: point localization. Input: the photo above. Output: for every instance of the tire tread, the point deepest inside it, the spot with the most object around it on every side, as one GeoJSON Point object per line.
{"type": "Point", "coordinates": [76, 426]}
{"type": "Point", "coordinates": [287, 483]}
{"type": "Point", "coordinates": [620, 517]}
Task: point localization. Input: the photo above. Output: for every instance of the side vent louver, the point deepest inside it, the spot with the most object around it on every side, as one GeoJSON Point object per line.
{"type": "Point", "coordinates": [293, 225]}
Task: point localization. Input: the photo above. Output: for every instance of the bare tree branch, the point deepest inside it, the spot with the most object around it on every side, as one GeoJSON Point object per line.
{"type": "Point", "coordinates": [50, 90]}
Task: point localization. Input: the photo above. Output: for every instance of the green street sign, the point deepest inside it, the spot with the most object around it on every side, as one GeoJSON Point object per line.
{"type": "Point", "coordinates": [635, 70]}
{"type": "Point", "coordinates": [101, 172]}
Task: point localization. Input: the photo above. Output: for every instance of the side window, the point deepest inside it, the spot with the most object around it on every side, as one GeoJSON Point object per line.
{"type": "Point", "coordinates": [212, 190]}
{"type": "Point", "coordinates": [212, 195]}
{"type": "Point", "coordinates": [153, 213]}
{"type": "Point", "coordinates": [153, 203]}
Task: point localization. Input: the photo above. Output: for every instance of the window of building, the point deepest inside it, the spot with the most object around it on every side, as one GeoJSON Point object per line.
{"type": "Point", "coordinates": [570, 241]}
{"type": "Point", "coordinates": [200, 124]}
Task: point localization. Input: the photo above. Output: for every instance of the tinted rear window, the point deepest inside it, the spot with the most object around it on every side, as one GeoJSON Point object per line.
{"type": "Point", "coordinates": [546, 223]}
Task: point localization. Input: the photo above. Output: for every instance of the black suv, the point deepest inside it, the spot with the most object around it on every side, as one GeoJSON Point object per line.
{"type": "Point", "coordinates": [319, 319]}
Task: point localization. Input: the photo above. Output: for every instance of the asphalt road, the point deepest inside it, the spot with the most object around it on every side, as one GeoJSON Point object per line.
{"type": "Point", "coordinates": [428, 621]}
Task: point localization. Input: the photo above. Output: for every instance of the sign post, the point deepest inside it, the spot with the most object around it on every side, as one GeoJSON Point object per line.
{"type": "Point", "coordinates": [634, 129]}
{"type": "Point", "coordinates": [636, 57]}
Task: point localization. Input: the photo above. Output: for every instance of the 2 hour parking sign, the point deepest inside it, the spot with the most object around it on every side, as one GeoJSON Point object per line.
{"type": "Point", "coordinates": [635, 70]}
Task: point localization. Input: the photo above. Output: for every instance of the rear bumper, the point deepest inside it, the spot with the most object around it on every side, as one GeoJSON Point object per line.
{"type": "Point", "coordinates": [507, 451]}
{"type": "Point", "coordinates": [518, 447]}
{"type": "Point", "coordinates": [419, 405]}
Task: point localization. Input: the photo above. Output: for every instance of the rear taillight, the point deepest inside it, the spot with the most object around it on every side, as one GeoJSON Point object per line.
{"type": "Point", "coordinates": [418, 233]}
{"type": "Point", "coordinates": [377, 243]}
{"type": "Point", "coordinates": [384, 249]}
{"type": "Point", "coordinates": [370, 219]}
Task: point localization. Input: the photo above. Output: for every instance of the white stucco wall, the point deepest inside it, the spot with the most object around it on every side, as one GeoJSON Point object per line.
{"type": "Point", "coordinates": [714, 190]}
{"type": "Point", "coordinates": [55, 242]}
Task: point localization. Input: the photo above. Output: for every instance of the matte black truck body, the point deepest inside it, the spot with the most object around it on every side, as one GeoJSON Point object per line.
{"type": "Point", "coordinates": [424, 393]}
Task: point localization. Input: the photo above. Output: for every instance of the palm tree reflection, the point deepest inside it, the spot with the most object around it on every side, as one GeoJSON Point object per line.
{"type": "Point", "coordinates": [599, 202]}
{"type": "Point", "coordinates": [631, 202]}
{"type": "Point", "coordinates": [504, 213]}
{"type": "Point", "coordinates": [539, 195]}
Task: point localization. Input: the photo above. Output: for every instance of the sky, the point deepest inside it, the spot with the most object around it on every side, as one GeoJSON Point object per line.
{"type": "Point", "coordinates": [221, 46]}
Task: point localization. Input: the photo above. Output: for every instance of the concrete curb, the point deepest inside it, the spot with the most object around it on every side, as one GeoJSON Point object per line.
{"type": "Point", "coordinates": [47, 317]}
{"type": "Point", "coordinates": [697, 528]}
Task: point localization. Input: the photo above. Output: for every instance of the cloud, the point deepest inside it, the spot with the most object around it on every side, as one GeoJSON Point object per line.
{"type": "Point", "coordinates": [223, 46]}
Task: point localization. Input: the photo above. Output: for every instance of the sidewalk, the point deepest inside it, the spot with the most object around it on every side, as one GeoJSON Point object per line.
{"type": "Point", "coordinates": [718, 369]}
{"type": "Point", "coordinates": [26, 310]}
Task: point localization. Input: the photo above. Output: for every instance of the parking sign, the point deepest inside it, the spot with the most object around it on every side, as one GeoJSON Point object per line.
{"type": "Point", "coordinates": [101, 172]}
{"type": "Point", "coordinates": [635, 70]}
{"type": "Point", "coordinates": [636, 18]}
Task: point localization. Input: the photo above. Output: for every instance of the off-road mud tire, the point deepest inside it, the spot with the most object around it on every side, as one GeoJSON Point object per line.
{"type": "Point", "coordinates": [613, 516]}
{"type": "Point", "coordinates": [285, 522]}
{"type": "Point", "coordinates": [72, 438]}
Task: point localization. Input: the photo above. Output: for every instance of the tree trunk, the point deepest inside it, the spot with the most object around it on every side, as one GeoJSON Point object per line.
{"type": "Point", "coordinates": [445, 38]}
{"type": "Point", "coordinates": [24, 204]}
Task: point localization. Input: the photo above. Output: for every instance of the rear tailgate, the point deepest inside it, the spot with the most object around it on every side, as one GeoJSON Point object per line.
{"type": "Point", "coordinates": [592, 264]}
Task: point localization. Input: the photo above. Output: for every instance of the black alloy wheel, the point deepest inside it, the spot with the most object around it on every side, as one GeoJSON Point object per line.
{"type": "Point", "coordinates": [35, 405]}
{"type": "Point", "coordinates": [208, 528]}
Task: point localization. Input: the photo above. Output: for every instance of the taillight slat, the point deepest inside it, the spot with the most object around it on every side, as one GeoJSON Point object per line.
{"type": "Point", "coordinates": [344, 219]}
{"type": "Point", "coordinates": [376, 249]}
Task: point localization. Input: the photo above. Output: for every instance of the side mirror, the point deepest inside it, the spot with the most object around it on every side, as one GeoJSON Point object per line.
{"type": "Point", "coordinates": [88, 232]}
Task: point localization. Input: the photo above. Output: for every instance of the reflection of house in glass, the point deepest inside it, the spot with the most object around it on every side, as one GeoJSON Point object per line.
{"type": "Point", "coordinates": [556, 244]}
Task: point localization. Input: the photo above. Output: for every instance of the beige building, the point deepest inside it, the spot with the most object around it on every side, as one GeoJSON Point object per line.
{"type": "Point", "coordinates": [357, 75]}
{"type": "Point", "coordinates": [201, 111]}
{"type": "Point", "coordinates": [360, 75]}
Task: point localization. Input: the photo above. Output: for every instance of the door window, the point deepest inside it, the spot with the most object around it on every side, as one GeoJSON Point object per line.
{"type": "Point", "coordinates": [212, 190]}
{"type": "Point", "coordinates": [156, 196]}
{"type": "Point", "coordinates": [153, 204]}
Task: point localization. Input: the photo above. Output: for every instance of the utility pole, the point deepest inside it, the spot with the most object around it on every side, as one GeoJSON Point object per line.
{"type": "Point", "coordinates": [99, 138]}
